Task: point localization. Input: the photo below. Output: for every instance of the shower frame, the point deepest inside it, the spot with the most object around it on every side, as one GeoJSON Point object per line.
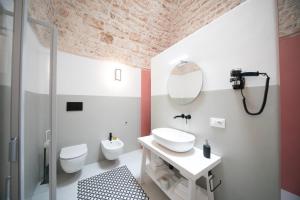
{"type": "Point", "coordinates": [53, 122]}
{"type": "Point", "coordinates": [53, 113]}
{"type": "Point", "coordinates": [15, 181]}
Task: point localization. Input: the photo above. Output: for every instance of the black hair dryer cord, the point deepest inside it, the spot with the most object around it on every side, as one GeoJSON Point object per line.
{"type": "Point", "coordinates": [264, 100]}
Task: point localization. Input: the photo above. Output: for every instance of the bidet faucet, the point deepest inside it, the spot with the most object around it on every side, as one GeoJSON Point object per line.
{"type": "Point", "coordinates": [110, 137]}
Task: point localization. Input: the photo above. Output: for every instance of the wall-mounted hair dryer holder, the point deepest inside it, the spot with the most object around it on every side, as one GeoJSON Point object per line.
{"type": "Point", "coordinates": [238, 79]}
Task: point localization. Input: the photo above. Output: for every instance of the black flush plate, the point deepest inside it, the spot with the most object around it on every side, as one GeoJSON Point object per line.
{"type": "Point", "coordinates": [74, 106]}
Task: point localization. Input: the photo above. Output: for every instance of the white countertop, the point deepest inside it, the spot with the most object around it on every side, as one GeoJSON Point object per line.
{"type": "Point", "coordinates": [191, 164]}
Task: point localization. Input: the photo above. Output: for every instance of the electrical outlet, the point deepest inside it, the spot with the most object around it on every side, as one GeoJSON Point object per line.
{"type": "Point", "coordinates": [217, 122]}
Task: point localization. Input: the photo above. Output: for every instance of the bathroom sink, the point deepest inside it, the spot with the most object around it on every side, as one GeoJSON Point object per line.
{"type": "Point", "coordinates": [173, 139]}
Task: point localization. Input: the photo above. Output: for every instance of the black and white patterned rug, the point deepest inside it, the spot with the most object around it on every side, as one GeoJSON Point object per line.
{"type": "Point", "coordinates": [116, 184]}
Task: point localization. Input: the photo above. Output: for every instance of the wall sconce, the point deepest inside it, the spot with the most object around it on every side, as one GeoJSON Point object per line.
{"type": "Point", "coordinates": [118, 75]}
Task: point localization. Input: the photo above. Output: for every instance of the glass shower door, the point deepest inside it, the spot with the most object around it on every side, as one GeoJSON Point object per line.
{"type": "Point", "coordinates": [6, 41]}
{"type": "Point", "coordinates": [38, 109]}
{"type": "Point", "coordinates": [27, 104]}
{"type": "Point", "coordinates": [10, 64]}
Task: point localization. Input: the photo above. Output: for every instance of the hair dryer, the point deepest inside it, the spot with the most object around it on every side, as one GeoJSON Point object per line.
{"type": "Point", "coordinates": [238, 79]}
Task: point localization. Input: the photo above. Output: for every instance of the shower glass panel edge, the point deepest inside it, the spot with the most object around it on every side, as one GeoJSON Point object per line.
{"type": "Point", "coordinates": [53, 94]}
{"type": "Point", "coordinates": [49, 76]}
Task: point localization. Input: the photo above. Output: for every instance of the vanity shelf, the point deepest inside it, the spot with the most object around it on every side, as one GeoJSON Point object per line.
{"type": "Point", "coordinates": [192, 165]}
{"type": "Point", "coordinates": [170, 192]}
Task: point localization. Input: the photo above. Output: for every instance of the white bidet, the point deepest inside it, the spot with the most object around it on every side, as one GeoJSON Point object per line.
{"type": "Point", "coordinates": [112, 149]}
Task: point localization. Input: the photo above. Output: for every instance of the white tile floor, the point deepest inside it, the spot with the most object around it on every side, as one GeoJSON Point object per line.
{"type": "Point", "coordinates": [67, 183]}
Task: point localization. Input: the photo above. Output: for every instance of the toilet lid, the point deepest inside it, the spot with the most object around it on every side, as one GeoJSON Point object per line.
{"type": "Point", "coordinates": [73, 151]}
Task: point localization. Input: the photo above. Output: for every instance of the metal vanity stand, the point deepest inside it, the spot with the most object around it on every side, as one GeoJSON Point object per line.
{"type": "Point", "coordinates": [192, 165]}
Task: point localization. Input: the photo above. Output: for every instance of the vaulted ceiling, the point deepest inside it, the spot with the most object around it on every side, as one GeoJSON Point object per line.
{"type": "Point", "coordinates": [128, 31]}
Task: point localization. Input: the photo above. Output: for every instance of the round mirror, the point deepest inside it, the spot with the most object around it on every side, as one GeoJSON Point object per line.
{"type": "Point", "coordinates": [185, 82]}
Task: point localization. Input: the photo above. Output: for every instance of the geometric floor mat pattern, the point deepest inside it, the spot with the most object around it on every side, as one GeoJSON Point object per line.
{"type": "Point", "coordinates": [116, 184]}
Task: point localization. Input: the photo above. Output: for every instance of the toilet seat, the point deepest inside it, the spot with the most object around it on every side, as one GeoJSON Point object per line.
{"type": "Point", "coordinates": [72, 152]}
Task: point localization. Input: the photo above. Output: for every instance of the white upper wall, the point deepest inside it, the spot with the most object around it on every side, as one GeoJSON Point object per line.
{"type": "Point", "coordinates": [78, 75]}
{"type": "Point", "coordinates": [245, 37]}
{"type": "Point", "coordinates": [36, 63]}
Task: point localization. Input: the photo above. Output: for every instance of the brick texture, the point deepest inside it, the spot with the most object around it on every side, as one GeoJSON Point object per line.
{"type": "Point", "coordinates": [289, 17]}
{"type": "Point", "coordinates": [128, 31]}
{"type": "Point", "coordinates": [133, 31]}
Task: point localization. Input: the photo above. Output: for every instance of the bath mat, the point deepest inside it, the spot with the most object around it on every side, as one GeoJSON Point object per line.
{"type": "Point", "coordinates": [115, 184]}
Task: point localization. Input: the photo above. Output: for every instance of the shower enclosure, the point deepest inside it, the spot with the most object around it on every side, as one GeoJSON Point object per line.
{"type": "Point", "coordinates": [27, 103]}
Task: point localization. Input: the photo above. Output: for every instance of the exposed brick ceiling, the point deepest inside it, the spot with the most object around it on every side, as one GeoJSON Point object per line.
{"type": "Point", "coordinates": [289, 17]}
{"type": "Point", "coordinates": [129, 31]}
{"type": "Point", "coordinates": [133, 31]}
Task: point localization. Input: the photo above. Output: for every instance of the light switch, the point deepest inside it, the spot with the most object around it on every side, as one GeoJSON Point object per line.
{"type": "Point", "coordinates": [217, 122]}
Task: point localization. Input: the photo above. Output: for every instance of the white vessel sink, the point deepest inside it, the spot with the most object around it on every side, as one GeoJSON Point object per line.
{"type": "Point", "coordinates": [173, 139]}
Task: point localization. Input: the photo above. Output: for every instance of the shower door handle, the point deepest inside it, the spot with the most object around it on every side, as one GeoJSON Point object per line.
{"type": "Point", "coordinates": [13, 149]}
{"type": "Point", "coordinates": [7, 188]}
{"type": "Point", "coordinates": [12, 157]}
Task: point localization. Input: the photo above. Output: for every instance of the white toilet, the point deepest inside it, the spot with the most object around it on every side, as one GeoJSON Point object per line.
{"type": "Point", "coordinates": [72, 158]}
{"type": "Point", "coordinates": [112, 149]}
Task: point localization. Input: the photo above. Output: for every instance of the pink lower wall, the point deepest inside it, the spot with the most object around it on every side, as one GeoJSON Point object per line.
{"type": "Point", "coordinates": [145, 102]}
{"type": "Point", "coordinates": [289, 52]}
